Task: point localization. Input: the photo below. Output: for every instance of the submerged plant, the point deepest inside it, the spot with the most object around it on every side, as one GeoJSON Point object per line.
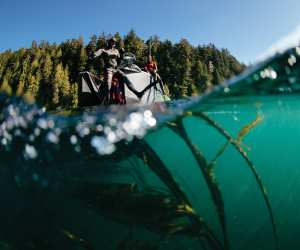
{"type": "Point", "coordinates": [247, 128]}
{"type": "Point", "coordinates": [243, 132]}
{"type": "Point", "coordinates": [208, 174]}
{"type": "Point", "coordinates": [201, 229]}
{"type": "Point", "coordinates": [237, 146]}
{"type": "Point", "coordinates": [155, 210]}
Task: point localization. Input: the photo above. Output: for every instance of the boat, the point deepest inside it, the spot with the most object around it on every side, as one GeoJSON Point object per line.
{"type": "Point", "coordinates": [128, 80]}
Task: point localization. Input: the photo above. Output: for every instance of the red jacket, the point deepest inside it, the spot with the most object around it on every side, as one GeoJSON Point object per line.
{"type": "Point", "coordinates": [151, 67]}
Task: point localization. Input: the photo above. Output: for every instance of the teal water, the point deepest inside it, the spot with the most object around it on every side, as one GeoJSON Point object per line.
{"type": "Point", "coordinates": [273, 146]}
{"type": "Point", "coordinates": [215, 172]}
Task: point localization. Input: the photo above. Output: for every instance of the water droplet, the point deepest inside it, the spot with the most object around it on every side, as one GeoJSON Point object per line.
{"type": "Point", "coordinates": [102, 145]}
{"type": "Point", "coordinates": [73, 139]}
{"type": "Point", "coordinates": [112, 122]}
{"type": "Point", "coordinates": [292, 60]}
{"type": "Point", "coordinates": [37, 131]}
{"type": "Point", "coordinates": [89, 119]}
{"type": "Point", "coordinates": [111, 137]}
{"type": "Point", "coordinates": [4, 141]}
{"type": "Point", "coordinates": [99, 128]}
{"type": "Point", "coordinates": [151, 121]}
{"type": "Point", "coordinates": [30, 152]}
{"type": "Point", "coordinates": [147, 113]}
{"type": "Point", "coordinates": [268, 73]}
{"type": "Point", "coordinates": [235, 118]}
{"type": "Point", "coordinates": [50, 124]}
{"type": "Point", "coordinates": [226, 90]}
{"type": "Point", "coordinates": [42, 123]}
{"type": "Point", "coordinates": [273, 74]}
{"type": "Point", "coordinates": [77, 148]}
{"type": "Point", "coordinates": [52, 137]}
{"type": "Point", "coordinates": [82, 130]}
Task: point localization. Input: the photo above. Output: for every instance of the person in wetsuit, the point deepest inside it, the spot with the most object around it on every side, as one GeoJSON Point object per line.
{"type": "Point", "coordinates": [151, 67]}
{"type": "Point", "coordinates": [111, 57]}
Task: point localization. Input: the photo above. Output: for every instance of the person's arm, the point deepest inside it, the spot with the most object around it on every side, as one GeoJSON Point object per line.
{"type": "Point", "coordinates": [98, 53]}
{"type": "Point", "coordinates": [155, 67]}
{"type": "Point", "coordinates": [146, 67]}
{"type": "Point", "coordinates": [121, 52]}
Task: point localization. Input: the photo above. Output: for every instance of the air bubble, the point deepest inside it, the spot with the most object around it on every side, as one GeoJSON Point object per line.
{"type": "Point", "coordinates": [30, 152]}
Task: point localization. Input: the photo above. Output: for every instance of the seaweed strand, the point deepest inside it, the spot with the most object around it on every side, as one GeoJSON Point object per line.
{"type": "Point", "coordinates": [249, 163]}
{"type": "Point", "coordinates": [208, 174]}
{"type": "Point", "coordinates": [158, 167]}
{"type": "Point", "coordinates": [243, 132]}
{"type": "Point", "coordinates": [219, 153]}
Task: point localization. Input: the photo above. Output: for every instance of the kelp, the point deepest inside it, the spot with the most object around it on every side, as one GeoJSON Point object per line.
{"type": "Point", "coordinates": [242, 133]}
{"type": "Point", "coordinates": [247, 128]}
{"type": "Point", "coordinates": [208, 175]}
{"type": "Point", "coordinates": [159, 212]}
{"type": "Point", "coordinates": [125, 203]}
{"type": "Point", "coordinates": [244, 155]}
{"type": "Point", "coordinates": [158, 167]}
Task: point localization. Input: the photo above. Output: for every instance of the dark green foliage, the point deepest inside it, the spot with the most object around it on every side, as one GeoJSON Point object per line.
{"type": "Point", "coordinates": [50, 72]}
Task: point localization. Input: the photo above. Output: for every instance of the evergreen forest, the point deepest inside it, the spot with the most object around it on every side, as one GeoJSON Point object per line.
{"type": "Point", "coordinates": [50, 72]}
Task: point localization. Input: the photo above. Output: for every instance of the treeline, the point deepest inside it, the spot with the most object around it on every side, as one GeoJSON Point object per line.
{"type": "Point", "coordinates": [50, 72]}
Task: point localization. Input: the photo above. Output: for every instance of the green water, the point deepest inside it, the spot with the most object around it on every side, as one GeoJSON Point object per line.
{"type": "Point", "coordinates": [217, 172]}
{"type": "Point", "coordinates": [273, 146]}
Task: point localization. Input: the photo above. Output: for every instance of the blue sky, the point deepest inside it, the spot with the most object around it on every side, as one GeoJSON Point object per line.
{"type": "Point", "coordinates": [246, 28]}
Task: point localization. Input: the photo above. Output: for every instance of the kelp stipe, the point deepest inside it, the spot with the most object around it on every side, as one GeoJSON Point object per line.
{"type": "Point", "coordinates": [157, 166]}
{"type": "Point", "coordinates": [243, 132]}
{"type": "Point", "coordinates": [208, 174]}
{"type": "Point", "coordinates": [252, 167]}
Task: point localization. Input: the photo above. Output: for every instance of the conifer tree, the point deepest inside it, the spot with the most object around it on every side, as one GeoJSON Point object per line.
{"type": "Point", "coordinates": [33, 85]}
{"type": "Point", "coordinates": [82, 59]}
{"type": "Point", "coordinates": [74, 95]}
{"type": "Point", "coordinates": [135, 45]}
{"type": "Point", "coordinates": [182, 56]}
{"type": "Point", "coordinates": [120, 42]}
{"type": "Point", "coordinates": [90, 50]}
{"type": "Point", "coordinates": [200, 76]}
{"type": "Point", "coordinates": [47, 68]}
{"type": "Point", "coordinates": [21, 85]}
{"type": "Point", "coordinates": [5, 88]}
{"type": "Point", "coordinates": [45, 90]}
{"type": "Point", "coordinates": [166, 65]}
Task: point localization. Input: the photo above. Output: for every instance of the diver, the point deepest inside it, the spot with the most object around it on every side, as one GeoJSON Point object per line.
{"type": "Point", "coordinates": [151, 67]}
{"type": "Point", "coordinates": [110, 56]}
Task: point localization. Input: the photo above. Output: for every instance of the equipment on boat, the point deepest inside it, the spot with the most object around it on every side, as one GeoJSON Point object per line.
{"type": "Point", "coordinates": [130, 85]}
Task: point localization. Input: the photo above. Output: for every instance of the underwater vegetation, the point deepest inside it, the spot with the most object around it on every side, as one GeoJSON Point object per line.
{"type": "Point", "coordinates": [168, 212]}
